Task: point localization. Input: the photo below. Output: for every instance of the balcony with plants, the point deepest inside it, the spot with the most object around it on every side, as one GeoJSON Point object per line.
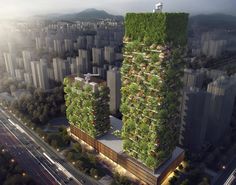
{"type": "Point", "coordinates": [151, 84]}
{"type": "Point", "coordinates": [87, 110]}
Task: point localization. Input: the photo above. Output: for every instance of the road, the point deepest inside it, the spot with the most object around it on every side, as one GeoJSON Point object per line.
{"type": "Point", "coordinates": [36, 157]}
{"type": "Point", "coordinates": [24, 158]}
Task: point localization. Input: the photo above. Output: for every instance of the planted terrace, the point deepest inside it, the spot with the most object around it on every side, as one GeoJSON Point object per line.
{"type": "Point", "coordinates": [87, 105]}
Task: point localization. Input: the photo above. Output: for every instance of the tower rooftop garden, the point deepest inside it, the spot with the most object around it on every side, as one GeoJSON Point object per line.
{"type": "Point", "coordinates": [157, 28]}
{"type": "Point", "coordinates": [87, 104]}
{"type": "Point", "coordinates": [151, 84]}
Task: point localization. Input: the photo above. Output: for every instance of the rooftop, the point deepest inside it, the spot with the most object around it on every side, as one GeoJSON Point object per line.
{"type": "Point", "coordinates": [115, 143]}
{"type": "Point", "coordinates": [97, 80]}
{"type": "Point", "coordinates": [110, 140]}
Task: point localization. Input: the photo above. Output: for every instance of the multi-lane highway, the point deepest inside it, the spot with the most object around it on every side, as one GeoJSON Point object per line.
{"type": "Point", "coordinates": [36, 157]}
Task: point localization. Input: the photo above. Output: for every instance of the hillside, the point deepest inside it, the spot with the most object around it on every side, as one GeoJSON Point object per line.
{"type": "Point", "coordinates": [89, 14]}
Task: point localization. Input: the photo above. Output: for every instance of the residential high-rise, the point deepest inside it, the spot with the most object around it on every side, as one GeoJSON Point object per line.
{"type": "Point", "coordinates": [43, 74]}
{"type": "Point", "coordinates": [10, 63]}
{"type": "Point", "coordinates": [28, 78]}
{"type": "Point", "coordinates": [68, 45]}
{"type": "Point", "coordinates": [35, 73]}
{"type": "Point", "coordinates": [151, 85]}
{"type": "Point", "coordinates": [58, 48]}
{"type": "Point", "coordinates": [109, 54]}
{"type": "Point", "coordinates": [98, 56]}
{"type": "Point", "coordinates": [87, 105]}
{"type": "Point", "coordinates": [82, 43]}
{"type": "Point", "coordinates": [40, 74]}
{"type": "Point", "coordinates": [39, 43]}
{"type": "Point", "coordinates": [114, 84]}
{"type": "Point", "coordinates": [27, 58]}
{"type": "Point", "coordinates": [59, 69]}
{"type": "Point", "coordinates": [19, 74]}
{"type": "Point", "coordinates": [207, 108]}
{"type": "Point", "coordinates": [90, 41]}
{"type": "Point", "coordinates": [19, 63]}
{"type": "Point", "coordinates": [84, 61]}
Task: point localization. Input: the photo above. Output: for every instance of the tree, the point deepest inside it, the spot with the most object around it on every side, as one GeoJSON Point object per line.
{"type": "Point", "coordinates": [185, 182]}
{"type": "Point", "coordinates": [70, 156]}
{"type": "Point", "coordinates": [93, 172]}
{"type": "Point", "coordinates": [77, 147]}
{"type": "Point", "coordinates": [14, 105]}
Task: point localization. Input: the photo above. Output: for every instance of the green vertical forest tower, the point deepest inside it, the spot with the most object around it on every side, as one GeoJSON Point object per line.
{"type": "Point", "coordinates": [151, 84]}
{"type": "Point", "coordinates": [87, 105]}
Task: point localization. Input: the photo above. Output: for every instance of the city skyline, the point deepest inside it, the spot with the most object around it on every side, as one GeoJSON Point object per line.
{"type": "Point", "coordinates": [89, 98]}
{"type": "Point", "coordinates": [14, 9]}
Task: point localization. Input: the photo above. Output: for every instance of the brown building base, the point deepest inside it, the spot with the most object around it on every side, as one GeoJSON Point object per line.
{"type": "Point", "coordinates": [133, 166]}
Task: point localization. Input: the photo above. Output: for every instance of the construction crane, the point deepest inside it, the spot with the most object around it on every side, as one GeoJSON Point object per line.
{"type": "Point", "coordinates": [88, 76]}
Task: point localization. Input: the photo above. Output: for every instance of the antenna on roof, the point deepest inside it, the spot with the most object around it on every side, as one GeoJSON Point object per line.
{"type": "Point", "coordinates": [158, 8]}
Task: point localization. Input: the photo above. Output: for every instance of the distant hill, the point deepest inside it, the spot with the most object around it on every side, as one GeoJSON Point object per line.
{"type": "Point", "coordinates": [214, 21]}
{"type": "Point", "coordinates": [86, 15]}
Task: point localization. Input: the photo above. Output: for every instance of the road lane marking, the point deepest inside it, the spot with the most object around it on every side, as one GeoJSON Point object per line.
{"type": "Point", "coordinates": [30, 152]}
{"type": "Point", "coordinates": [65, 171]}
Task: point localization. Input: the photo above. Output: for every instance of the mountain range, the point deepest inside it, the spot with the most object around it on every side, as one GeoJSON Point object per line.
{"type": "Point", "coordinates": [209, 21]}
{"type": "Point", "coordinates": [86, 15]}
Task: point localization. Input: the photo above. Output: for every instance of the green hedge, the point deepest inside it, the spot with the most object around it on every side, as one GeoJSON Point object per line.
{"type": "Point", "coordinates": [157, 28]}
{"type": "Point", "coordinates": [86, 109]}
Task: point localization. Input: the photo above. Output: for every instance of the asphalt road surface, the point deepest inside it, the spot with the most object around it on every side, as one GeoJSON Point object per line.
{"type": "Point", "coordinates": [37, 158]}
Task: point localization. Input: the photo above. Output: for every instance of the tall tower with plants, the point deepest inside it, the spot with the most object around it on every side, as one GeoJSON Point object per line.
{"type": "Point", "coordinates": [87, 105]}
{"type": "Point", "coordinates": [151, 84]}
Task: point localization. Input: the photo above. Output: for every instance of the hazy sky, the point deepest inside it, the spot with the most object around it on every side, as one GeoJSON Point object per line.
{"type": "Point", "coordinates": [20, 8]}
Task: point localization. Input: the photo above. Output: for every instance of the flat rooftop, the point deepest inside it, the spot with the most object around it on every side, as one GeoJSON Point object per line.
{"type": "Point", "coordinates": [109, 139]}
{"type": "Point", "coordinates": [175, 154]}
{"type": "Point", "coordinates": [95, 79]}
{"type": "Point", "coordinates": [115, 143]}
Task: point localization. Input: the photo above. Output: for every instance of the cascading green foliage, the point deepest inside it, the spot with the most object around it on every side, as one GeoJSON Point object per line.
{"type": "Point", "coordinates": [151, 85]}
{"type": "Point", "coordinates": [86, 109]}
{"type": "Point", "coordinates": [157, 28]}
